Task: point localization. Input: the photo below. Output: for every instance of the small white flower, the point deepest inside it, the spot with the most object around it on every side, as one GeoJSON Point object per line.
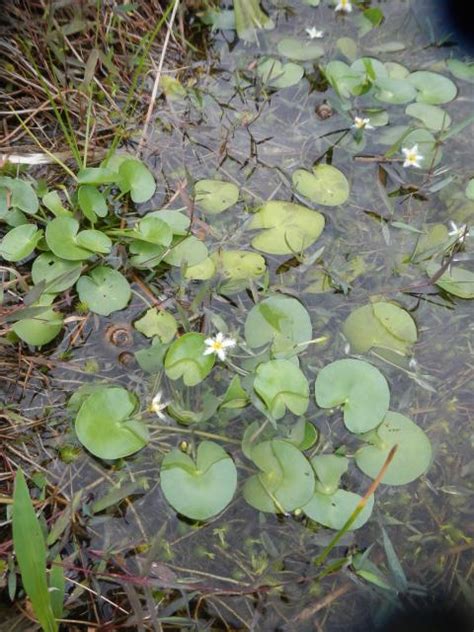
{"type": "Point", "coordinates": [157, 406]}
{"type": "Point", "coordinates": [219, 345]}
{"type": "Point", "coordinates": [412, 157]}
{"type": "Point", "coordinates": [344, 5]}
{"type": "Point", "coordinates": [313, 33]}
{"type": "Point", "coordinates": [461, 232]}
{"type": "Point", "coordinates": [362, 123]}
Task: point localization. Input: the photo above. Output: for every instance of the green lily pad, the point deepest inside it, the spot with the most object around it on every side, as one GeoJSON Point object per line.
{"type": "Point", "coordinates": [396, 70]}
{"type": "Point", "coordinates": [299, 49]}
{"type": "Point", "coordinates": [287, 228]}
{"type": "Point", "coordinates": [278, 317]}
{"type": "Point", "coordinates": [334, 510]}
{"type": "Point", "coordinates": [326, 185]}
{"type": "Point", "coordinates": [97, 175]}
{"type": "Point", "coordinates": [146, 255]}
{"type": "Point", "coordinates": [104, 425]}
{"type": "Point", "coordinates": [178, 222]}
{"type": "Point", "coordinates": [202, 489]}
{"type": "Point", "coordinates": [187, 252]}
{"type": "Point", "coordinates": [202, 271]}
{"type": "Point", "coordinates": [281, 385]}
{"type": "Point", "coordinates": [395, 91]}
{"type": "Point", "coordinates": [413, 456]}
{"type": "Point", "coordinates": [91, 202]}
{"type": "Point", "coordinates": [157, 323]}
{"type": "Point", "coordinates": [20, 242]}
{"type": "Point", "coordinates": [215, 196]}
{"type": "Point", "coordinates": [303, 434]}
{"type": "Point", "coordinates": [329, 468]}
{"type": "Point", "coordinates": [383, 325]}
{"type": "Point", "coordinates": [461, 70]}
{"type": "Point", "coordinates": [104, 290]}
{"type": "Point", "coordinates": [345, 81]}
{"type": "Point", "coordinates": [58, 274]}
{"type": "Point", "coordinates": [286, 481]}
{"type": "Point", "coordinates": [135, 178]}
{"type": "Point", "coordinates": [359, 388]}
{"type": "Point", "coordinates": [431, 116]}
{"type": "Point", "coordinates": [457, 281]}
{"type": "Point", "coordinates": [432, 87]}
{"type": "Point", "coordinates": [235, 396]}
{"type": "Point", "coordinates": [185, 358]}
{"type": "Point", "coordinates": [239, 265]}
{"type": "Point", "coordinates": [40, 329]}
{"type": "Point", "coordinates": [66, 242]}
{"type": "Point", "coordinates": [153, 230]}
{"type": "Point", "coordinates": [370, 68]}
{"type": "Point", "coordinates": [277, 75]}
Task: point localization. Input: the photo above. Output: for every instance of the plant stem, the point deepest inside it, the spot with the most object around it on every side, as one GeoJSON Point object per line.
{"type": "Point", "coordinates": [200, 433]}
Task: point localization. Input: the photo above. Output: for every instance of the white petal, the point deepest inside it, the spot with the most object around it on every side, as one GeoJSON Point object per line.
{"type": "Point", "coordinates": [208, 351]}
{"type": "Point", "coordinates": [219, 337]}
{"type": "Point", "coordinates": [228, 342]}
{"type": "Point", "coordinates": [406, 151]}
{"type": "Point", "coordinates": [209, 342]}
{"type": "Point", "coordinates": [221, 354]}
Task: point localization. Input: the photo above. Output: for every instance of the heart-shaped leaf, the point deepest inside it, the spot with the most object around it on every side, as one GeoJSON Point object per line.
{"type": "Point", "coordinates": [20, 242]}
{"type": "Point", "coordinates": [455, 280]}
{"type": "Point", "coordinates": [236, 268]}
{"type": "Point", "coordinates": [326, 185]}
{"type": "Point", "coordinates": [286, 481]}
{"type": "Point", "coordinates": [104, 425]}
{"type": "Point", "coordinates": [135, 178]}
{"type": "Point", "coordinates": [288, 228]}
{"type": "Point", "coordinates": [58, 274]}
{"type": "Point", "coordinates": [413, 455]}
{"type": "Point", "coordinates": [22, 195]}
{"type": "Point", "coordinates": [278, 75]}
{"type": "Point", "coordinates": [329, 468]}
{"type": "Point", "coordinates": [104, 290]}
{"type": "Point", "coordinates": [97, 175]}
{"type": "Point", "coordinates": [395, 91]}
{"type": "Point", "coordinates": [299, 49]}
{"type": "Point", "coordinates": [202, 489]}
{"type": "Point", "coordinates": [157, 323]}
{"type": "Point", "coordinates": [345, 81]}
{"type": "Point", "coordinates": [281, 385]}
{"type": "Point", "coordinates": [185, 358]}
{"type": "Point", "coordinates": [359, 388]}
{"type": "Point", "coordinates": [91, 202]}
{"type": "Point", "coordinates": [40, 329]}
{"type": "Point", "coordinates": [215, 196]}
{"type": "Point", "coordinates": [178, 222]}
{"type": "Point", "coordinates": [66, 242]}
{"type": "Point", "coordinates": [432, 87]}
{"type": "Point", "coordinates": [334, 510]}
{"type": "Point", "coordinates": [431, 116]}
{"type": "Point", "coordinates": [153, 230]}
{"type": "Point", "coordinates": [187, 252]}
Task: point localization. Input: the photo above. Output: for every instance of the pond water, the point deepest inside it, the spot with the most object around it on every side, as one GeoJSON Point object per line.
{"type": "Point", "coordinates": [248, 570]}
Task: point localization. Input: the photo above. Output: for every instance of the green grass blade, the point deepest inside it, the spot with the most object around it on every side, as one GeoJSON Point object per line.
{"type": "Point", "coordinates": [30, 550]}
{"type": "Point", "coordinates": [57, 585]}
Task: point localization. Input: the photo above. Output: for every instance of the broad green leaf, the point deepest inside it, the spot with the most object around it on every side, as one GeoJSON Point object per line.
{"type": "Point", "coordinates": [202, 489]}
{"type": "Point", "coordinates": [345, 81]}
{"type": "Point", "coordinates": [53, 202]}
{"type": "Point", "coordinates": [66, 242]}
{"type": "Point", "coordinates": [22, 195]}
{"type": "Point", "coordinates": [202, 271]}
{"type": "Point", "coordinates": [40, 329]}
{"type": "Point", "coordinates": [457, 281]}
{"type": "Point", "coordinates": [348, 47]}
{"type": "Point", "coordinates": [58, 274]}
{"type": "Point", "coordinates": [303, 434]}
{"type": "Point", "coordinates": [461, 70]}
{"type": "Point", "coordinates": [278, 317]}
{"type": "Point", "coordinates": [248, 18]}
{"type": "Point", "coordinates": [236, 267]}
{"type": "Point", "coordinates": [97, 175]}
{"type": "Point", "coordinates": [187, 252]}
{"type": "Point", "coordinates": [370, 68]}
{"type": "Point", "coordinates": [432, 87]}
{"type": "Point", "coordinates": [178, 222]}
{"type": "Point", "coordinates": [395, 91]}
{"type": "Point", "coordinates": [300, 49]}
{"type": "Point", "coordinates": [383, 325]}
{"type": "Point", "coordinates": [326, 185]}
{"type": "Point", "coordinates": [281, 385]}
{"type": "Point", "coordinates": [235, 396]}
{"type": "Point", "coordinates": [30, 552]}
{"type": "Point", "coordinates": [104, 290]}
{"type": "Point", "coordinates": [146, 255]}
{"type": "Point", "coordinates": [334, 510]}
{"type": "Point", "coordinates": [287, 228]}
{"type": "Point", "coordinates": [329, 468]}
{"type": "Point", "coordinates": [413, 456]}
{"type": "Point", "coordinates": [104, 425]}
{"type": "Point", "coordinates": [431, 116]}
{"type": "Point", "coordinates": [157, 323]}
{"type": "Point", "coordinates": [91, 202]}
{"type": "Point", "coordinates": [185, 359]}
{"type": "Point", "coordinates": [215, 196]}
{"type": "Point", "coordinates": [135, 178]}
{"type": "Point", "coordinates": [359, 388]}
{"type": "Point", "coordinates": [277, 75]}
{"type": "Point", "coordinates": [20, 242]}
{"type": "Point", "coordinates": [396, 70]}
{"type": "Point", "coordinates": [153, 230]}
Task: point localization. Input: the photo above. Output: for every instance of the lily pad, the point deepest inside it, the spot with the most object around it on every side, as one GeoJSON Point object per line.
{"type": "Point", "coordinates": [104, 425]}
{"type": "Point", "coordinates": [286, 481]}
{"type": "Point", "coordinates": [383, 325]}
{"type": "Point", "coordinates": [66, 242]}
{"type": "Point", "coordinates": [153, 230]}
{"type": "Point", "coordinates": [359, 388]}
{"type": "Point", "coordinates": [202, 271]}
{"type": "Point", "coordinates": [413, 456]}
{"type": "Point", "coordinates": [91, 202]}
{"type": "Point", "coordinates": [40, 329]}
{"type": "Point", "coordinates": [457, 281]}
{"type": "Point", "coordinates": [281, 385]}
{"type": "Point", "coordinates": [157, 323]}
{"type": "Point", "coordinates": [370, 68]}
{"type": "Point", "coordinates": [135, 178]}
{"type": "Point", "coordinates": [58, 274]}
{"type": "Point", "coordinates": [104, 290]}
{"type": "Point", "coordinates": [299, 49]}
{"type": "Point", "coordinates": [202, 489]}
{"type": "Point", "coordinates": [215, 196]}
{"type": "Point", "coordinates": [431, 116]}
{"type": "Point", "coordinates": [287, 228]}
{"type": "Point", "coordinates": [20, 242]}
{"type": "Point", "coordinates": [432, 87]}
{"type": "Point", "coordinates": [345, 81]}
{"type": "Point", "coordinates": [185, 359]}
{"type": "Point", "coordinates": [22, 195]}
{"type": "Point", "coordinates": [177, 221]}
{"type": "Point", "coordinates": [396, 91]}
{"type": "Point", "coordinates": [326, 185]}
{"type": "Point", "coordinates": [329, 468]}
{"type": "Point", "coordinates": [187, 252]}
{"type": "Point", "coordinates": [461, 70]}
{"type": "Point", "coordinates": [334, 510]}
{"type": "Point", "coordinates": [277, 75]}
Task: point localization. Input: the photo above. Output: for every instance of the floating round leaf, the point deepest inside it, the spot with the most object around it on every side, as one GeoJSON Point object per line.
{"type": "Point", "coordinates": [239, 265]}
{"type": "Point", "coordinates": [58, 274]}
{"type": "Point", "coordinates": [413, 455]}
{"type": "Point", "coordinates": [178, 222]}
{"type": "Point", "coordinates": [275, 317]}
{"type": "Point", "coordinates": [157, 323]}
{"type": "Point", "coordinates": [63, 239]}
{"type": "Point", "coordinates": [199, 490]}
{"type": "Point", "coordinates": [153, 230]}
{"type": "Point", "coordinates": [394, 91]}
{"type": "Point", "coordinates": [186, 359]}
{"type": "Point", "coordinates": [372, 68]}
{"type": "Point", "coordinates": [187, 252]}
{"type": "Point", "coordinates": [303, 434]}
{"type": "Point", "coordinates": [326, 185]}
{"type": "Point", "coordinates": [383, 325]}
{"type": "Point", "coordinates": [278, 75]}
{"type": "Point", "coordinates": [136, 178]}
{"type": "Point", "coordinates": [22, 195]}
{"type": "Point", "coordinates": [288, 228]}
{"type": "Point", "coordinates": [202, 271]}
{"type": "Point", "coordinates": [359, 388]}
{"type": "Point", "coordinates": [91, 202]}
{"type": "Point", "coordinates": [345, 81]}
{"type": "Point", "coordinates": [455, 280]}
{"type": "Point", "coordinates": [104, 290]}
{"type": "Point", "coordinates": [329, 468]}
{"type": "Point", "coordinates": [215, 196]}
{"type": "Point", "coordinates": [334, 510]}
{"type": "Point", "coordinates": [431, 116]}
{"type": "Point", "coordinates": [20, 242]}
{"type": "Point", "coordinates": [299, 49]}
{"type": "Point", "coordinates": [432, 87]}
{"type": "Point", "coordinates": [287, 479]}
{"type": "Point", "coordinates": [41, 328]}
{"type": "Point", "coordinates": [281, 385]}
{"type": "Point", "coordinates": [104, 427]}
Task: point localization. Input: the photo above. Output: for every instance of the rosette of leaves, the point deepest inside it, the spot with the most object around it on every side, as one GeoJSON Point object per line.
{"type": "Point", "coordinates": [329, 505]}
{"type": "Point", "coordinates": [202, 488]}
{"type": "Point", "coordinates": [285, 481]}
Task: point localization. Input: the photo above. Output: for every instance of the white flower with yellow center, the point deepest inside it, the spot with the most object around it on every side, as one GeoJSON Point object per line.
{"type": "Point", "coordinates": [362, 123]}
{"type": "Point", "coordinates": [344, 5]}
{"type": "Point", "coordinates": [412, 157]}
{"type": "Point", "coordinates": [219, 345]}
{"type": "Point", "coordinates": [157, 406]}
{"type": "Point", "coordinates": [313, 33]}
